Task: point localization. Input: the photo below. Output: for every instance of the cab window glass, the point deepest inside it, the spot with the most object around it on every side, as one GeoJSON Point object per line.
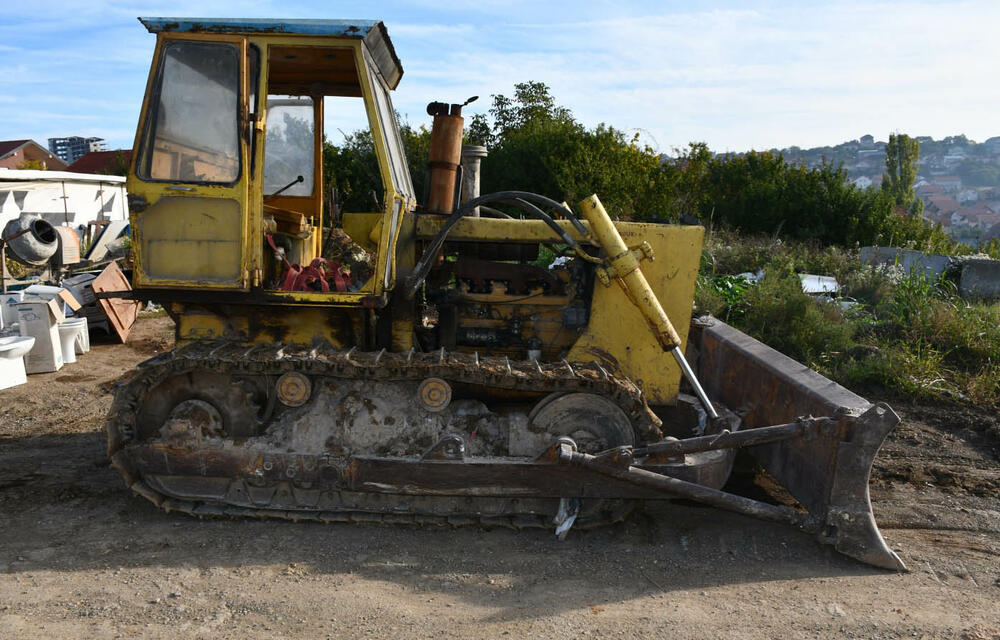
{"type": "Point", "coordinates": [192, 134]}
{"type": "Point", "coordinates": [290, 145]}
{"type": "Point", "coordinates": [387, 118]}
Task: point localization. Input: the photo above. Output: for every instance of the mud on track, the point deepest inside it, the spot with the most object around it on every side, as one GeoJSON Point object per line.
{"type": "Point", "coordinates": [80, 557]}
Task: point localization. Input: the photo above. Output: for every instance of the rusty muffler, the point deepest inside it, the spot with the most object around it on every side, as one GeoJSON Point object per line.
{"type": "Point", "coordinates": [444, 156]}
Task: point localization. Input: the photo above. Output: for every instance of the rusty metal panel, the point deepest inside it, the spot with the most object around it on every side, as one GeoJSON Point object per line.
{"type": "Point", "coordinates": [747, 375]}
{"type": "Point", "coordinates": [828, 473]}
{"type": "Point", "coordinates": [767, 387]}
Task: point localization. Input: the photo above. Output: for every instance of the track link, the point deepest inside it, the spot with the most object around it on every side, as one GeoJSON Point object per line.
{"type": "Point", "coordinates": [335, 504]}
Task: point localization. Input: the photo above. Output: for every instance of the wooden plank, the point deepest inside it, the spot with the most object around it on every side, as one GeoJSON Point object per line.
{"type": "Point", "coordinates": [121, 313]}
{"type": "Point", "coordinates": [288, 221]}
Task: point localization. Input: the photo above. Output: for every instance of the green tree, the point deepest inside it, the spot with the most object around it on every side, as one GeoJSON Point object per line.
{"type": "Point", "coordinates": [352, 167]}
{"type": "Point", "coordinates": [536, 145]}
{"type": "Point", "coordinates": [689, 176]}
{"type": "Point", "coordinates": [416, 145]}
{"type": "Point", "coordinates": [118, 165]}
{"type": "Point", "coordinates": [902, 158]}
{"type": "Point", "coordinates": [976, 173]}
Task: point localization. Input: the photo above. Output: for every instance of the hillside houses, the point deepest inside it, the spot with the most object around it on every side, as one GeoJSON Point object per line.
{"type": "Point", "coordinates": [948, 184]}
{"type": "Point", "coordinates": [958, 179]}
{"type": "Point", "coordinates": [865, 182]}
{"type": "Point", "coordinates": [971, 223]}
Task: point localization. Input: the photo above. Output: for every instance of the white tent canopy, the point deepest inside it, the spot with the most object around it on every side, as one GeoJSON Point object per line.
{"type": "Point", "coordinates": [61, 197]}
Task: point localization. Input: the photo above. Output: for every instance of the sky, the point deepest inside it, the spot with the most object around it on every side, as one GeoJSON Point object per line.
{"type": "Point", "coordinates": [737, 75]}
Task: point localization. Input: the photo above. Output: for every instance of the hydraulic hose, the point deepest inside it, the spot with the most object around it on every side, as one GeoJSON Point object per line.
{"type": "Point", "coordinates": [522, 199]}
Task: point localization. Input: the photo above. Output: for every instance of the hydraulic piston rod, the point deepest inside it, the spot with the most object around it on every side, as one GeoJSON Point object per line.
{"type": "Point", "coordinates": [623, 265]}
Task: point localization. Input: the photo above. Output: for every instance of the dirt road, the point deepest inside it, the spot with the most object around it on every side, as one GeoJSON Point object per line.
{"type": "Point", "coordinates": [80, 557]}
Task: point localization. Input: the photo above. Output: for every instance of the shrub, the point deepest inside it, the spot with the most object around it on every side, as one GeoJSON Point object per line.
{"type": "Point", "coordinates": [907, 335]}
{"type": "Point", "coordinates": [809, 329]}
{"type": "Point", "coordinates": [984, 387]}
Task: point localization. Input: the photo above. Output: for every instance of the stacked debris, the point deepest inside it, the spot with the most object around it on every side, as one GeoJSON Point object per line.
{"type": "Point", "coordinates": [43, 327]}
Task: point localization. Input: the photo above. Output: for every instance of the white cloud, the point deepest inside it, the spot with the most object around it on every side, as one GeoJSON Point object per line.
{"type": "Point", "coordinates": [776, 74]}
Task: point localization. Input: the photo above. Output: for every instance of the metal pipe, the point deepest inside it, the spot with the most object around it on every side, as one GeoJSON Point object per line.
{"type": "Point", "coordinates": [693, 379]}
{"type": "Point", "coordinates": [691, 491]}
{"type": "Point", "coordinates": [521, 199]}
{"type": "Point", "coordinates": [472, 157]}
{"type": "Point", "coordinates": [734, 440]}
{"type": "Point", "coordinates": [443, 159]}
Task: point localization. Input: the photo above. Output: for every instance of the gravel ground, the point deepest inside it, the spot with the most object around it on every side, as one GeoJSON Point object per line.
{"type": "Point", "coordinates": [80, 557]}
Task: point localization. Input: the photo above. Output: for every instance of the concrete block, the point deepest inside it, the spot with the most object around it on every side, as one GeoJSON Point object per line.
{"type": "Point", "coordinates": [980, 279]}
{"type": "Point", "coordinates": [879, 255]}
{"type": "Point", "coordinates": [933, 265]}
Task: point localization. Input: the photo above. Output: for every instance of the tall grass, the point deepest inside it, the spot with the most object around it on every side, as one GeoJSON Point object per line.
{"type": "Point", "coordinates": [905, 334]}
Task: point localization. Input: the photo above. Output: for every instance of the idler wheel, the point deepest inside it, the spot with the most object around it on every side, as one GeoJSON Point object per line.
{"type": "Point", "coordinates": [592, 421]}
{"type": "Point", "coordinates": [434, 394]}
{"type": "Point", "coordinates": [227, 406]}
{"type": "Point", "coordinates": [193, 418]}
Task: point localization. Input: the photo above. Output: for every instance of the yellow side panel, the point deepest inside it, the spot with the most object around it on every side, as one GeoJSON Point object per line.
{"type": "Point", "coordinates": [200, 325]}
{"type": "Point", "coordinates": [266, 325]}
{"type": "Point", "coordinates": [618, 336]}
{"type": "Point", "coordinates": [359, 226]}
{"type": "Point", "coordinates": [191, 239]}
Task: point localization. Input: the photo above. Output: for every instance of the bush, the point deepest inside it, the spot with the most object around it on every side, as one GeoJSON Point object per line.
{"type": "Point", "coordinates": [912, 370]}
{"type": "Point", "coordinates": [811, 330]}
{"type": "Point", "coordinates": [908, 335]}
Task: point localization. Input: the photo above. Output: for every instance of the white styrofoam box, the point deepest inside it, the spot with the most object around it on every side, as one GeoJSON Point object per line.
{"type": "Point", "coordinates": [79, 286]}
{"type": "Point", "coordinates": [7, 309]}
{"type": "Point", "coordinates": [40, 319]}
{"type": "Point", "coordinates": [45, 292]}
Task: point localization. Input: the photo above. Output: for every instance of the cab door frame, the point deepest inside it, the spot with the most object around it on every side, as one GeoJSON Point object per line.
{"type": "Point", "coordinates": [188, 194]}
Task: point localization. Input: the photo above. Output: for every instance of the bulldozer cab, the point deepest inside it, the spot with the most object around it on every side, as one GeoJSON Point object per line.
{"type": "Point", "coordinates": [227, 170]}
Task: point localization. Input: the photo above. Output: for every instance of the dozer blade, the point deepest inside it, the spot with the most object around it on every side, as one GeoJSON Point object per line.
{"type": "Point", "coordinates": [827, 472]}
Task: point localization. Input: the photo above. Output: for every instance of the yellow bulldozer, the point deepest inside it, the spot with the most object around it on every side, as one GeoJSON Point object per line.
{"type": "Point", "coordinates": [412, 362]}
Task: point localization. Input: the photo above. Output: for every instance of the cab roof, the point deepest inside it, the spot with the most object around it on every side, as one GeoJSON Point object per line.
{"type": "Point", "coordinates": [371, 32]}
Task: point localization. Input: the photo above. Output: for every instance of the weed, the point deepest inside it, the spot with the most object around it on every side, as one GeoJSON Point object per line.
{"type": "Point", "coordinates": [915, 370]}
{"type": "Point", "coordinates": [908, 334]}
{"type": "Point", "coordinates": [808, 329]}
{"type": "Point", "coordinates": [708, 299]}
{"type": "Point", "coordinates": [916, 293]}
{"type": "Point", "coordinates": [984, 388]}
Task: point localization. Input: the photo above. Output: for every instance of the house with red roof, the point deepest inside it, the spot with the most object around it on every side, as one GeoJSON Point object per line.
{"type": "Point", "coordinates": [949, 184]}
{"type": "Point", "coordinates": [102, 162]}
{"type": "Point", "coordinates": [928, 190]}
{"type": "Point", "coordinates": [945, 205]}
{"type": "Point", "coordinates": [14, 153]}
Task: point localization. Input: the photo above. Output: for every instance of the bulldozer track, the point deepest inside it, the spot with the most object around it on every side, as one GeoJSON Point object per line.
{"type": "Point", "coordinates": [273, 360]}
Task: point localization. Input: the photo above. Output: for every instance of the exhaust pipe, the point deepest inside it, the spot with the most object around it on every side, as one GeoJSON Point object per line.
{"type": "Point", "coordinates": [444, 156]}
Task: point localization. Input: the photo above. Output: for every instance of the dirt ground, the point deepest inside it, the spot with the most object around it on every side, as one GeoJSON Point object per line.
{"type": "Point", "coordinates": [80, 557]}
